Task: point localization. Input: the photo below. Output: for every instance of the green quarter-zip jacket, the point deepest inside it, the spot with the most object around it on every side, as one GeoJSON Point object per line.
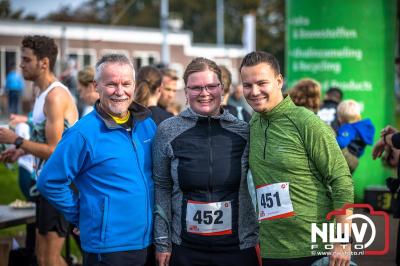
{"type": "Point", "coordinates": [290, 144]}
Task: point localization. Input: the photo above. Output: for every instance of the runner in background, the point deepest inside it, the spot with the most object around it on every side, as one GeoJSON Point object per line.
{"type": "Point", "coordinates": [54, 110]}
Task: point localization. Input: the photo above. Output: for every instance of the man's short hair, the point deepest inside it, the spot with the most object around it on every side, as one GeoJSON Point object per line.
{"type": "Point", "coordinates": [226, 79]}
{"type": "Point", "coordinates": [112, 58]}
{"type": "Point", "coordinates": [349, 111]}
{"type": "Point", "coordinates": [169, 72]}
{"type": "Point", "coordinates": [334, 93]}
{"type": "Point", "coordinates": [258, 57]}
{"type": "Point", "coordinates": [42, 46]}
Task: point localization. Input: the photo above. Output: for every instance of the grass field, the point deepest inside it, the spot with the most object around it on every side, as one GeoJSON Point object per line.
{"type": "Point", "coordinates": [9, 191]}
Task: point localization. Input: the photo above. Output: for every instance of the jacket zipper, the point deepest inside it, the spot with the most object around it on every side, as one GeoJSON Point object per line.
{"type": "Point", "coordinates": [265, 138]}
{"type": "Point", "coordinates": [210, 178]}
{"type": "Point", "coordinates": [144, 181]}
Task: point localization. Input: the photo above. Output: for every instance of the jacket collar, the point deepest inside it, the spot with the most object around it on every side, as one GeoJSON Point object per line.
{"type": "Point", "coordinates": [284, 105]}
{"type": "Point", "coordinates": [138, 113]}
{"type": "Point", "coordinates": [224, 115]}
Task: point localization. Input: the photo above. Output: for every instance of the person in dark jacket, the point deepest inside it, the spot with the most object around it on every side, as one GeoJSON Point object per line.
{"type": "Point", "coordinates": [390, 140]}
{"type": "Point", "coordinates": [353, 134]}
{"type": "Point", "coordinates": [327, 111]}
{"type": "Point", "coordinates": [148, 92]}
{"type": "Point", "coordinates": [204, 213]}
{"type": "Point", "coordinates": [237, 111]}
{"type": "Point", "coordinates": [169, 88]}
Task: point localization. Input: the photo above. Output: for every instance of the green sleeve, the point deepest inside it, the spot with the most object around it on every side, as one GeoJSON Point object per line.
{"type": "Point", "coordinates": [331, 166]}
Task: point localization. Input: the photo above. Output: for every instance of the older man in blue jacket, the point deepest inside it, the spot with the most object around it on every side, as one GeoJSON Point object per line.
{"type": "Point", "coordinates": [107, 155]}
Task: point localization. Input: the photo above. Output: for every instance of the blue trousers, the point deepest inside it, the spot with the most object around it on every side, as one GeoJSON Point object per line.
{"type": "Point", "coordinates": [13, 102]}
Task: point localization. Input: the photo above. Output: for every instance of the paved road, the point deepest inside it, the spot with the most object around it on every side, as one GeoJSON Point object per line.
{"type": "Point", "coordinates": [385, 260]}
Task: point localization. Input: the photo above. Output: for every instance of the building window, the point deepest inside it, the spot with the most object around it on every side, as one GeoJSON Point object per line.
{"type": "Point", "coordinates": [8, 60]}
{"type": "Point", "coordinates": [82, 57]}
{"type": "Point", "coordinates": [145, 58]}
{"type": "Point", "coordinates": [151, 60]}
{"type": "Point", "coordinates": [11, 60]}
{"type": "Point", "coordinates": [87, 60]}
{"type": "Point", "coordinates": [138, 62]}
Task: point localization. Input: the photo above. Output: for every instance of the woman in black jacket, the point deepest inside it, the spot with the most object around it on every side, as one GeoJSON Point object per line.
{"type": "Point", "coordinates": [204, 213]}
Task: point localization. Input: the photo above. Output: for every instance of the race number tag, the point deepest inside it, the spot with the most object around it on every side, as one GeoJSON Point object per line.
{"type": "Point", "coordinates": [209, 219]}
{"type": "Point", "coordinates": [274, 201]}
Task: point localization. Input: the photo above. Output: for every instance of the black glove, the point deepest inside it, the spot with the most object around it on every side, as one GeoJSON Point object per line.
{"type": "Point", "coordinates": [393, 184]}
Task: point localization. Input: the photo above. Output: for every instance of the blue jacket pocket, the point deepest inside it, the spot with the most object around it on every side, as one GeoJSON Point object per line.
{"type": "Point", "coordinates": [105, 219]}
{"type": "Point", "coordinates": [93, 220]}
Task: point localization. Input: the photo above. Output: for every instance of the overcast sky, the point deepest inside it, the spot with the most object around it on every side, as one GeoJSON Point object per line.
{"type": "Point", "coordinates": [42, 7]}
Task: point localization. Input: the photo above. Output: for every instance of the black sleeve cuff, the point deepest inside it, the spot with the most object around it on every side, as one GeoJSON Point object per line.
{"type": "Point", "coordinates": [396, 140]}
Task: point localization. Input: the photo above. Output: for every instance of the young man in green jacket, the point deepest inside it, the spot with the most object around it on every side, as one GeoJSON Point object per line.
{"type": "Point", "coordinates": [297, 166]}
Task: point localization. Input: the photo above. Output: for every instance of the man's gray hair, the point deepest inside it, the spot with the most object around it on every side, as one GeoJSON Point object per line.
{"type": "Point", "coordinates": [112, 59]}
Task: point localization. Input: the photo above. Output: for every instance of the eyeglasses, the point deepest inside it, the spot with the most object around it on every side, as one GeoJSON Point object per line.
{"type": "Point", "coordinates": [209, 88]}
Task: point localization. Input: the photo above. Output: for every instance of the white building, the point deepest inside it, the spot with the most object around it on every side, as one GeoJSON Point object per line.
{"type": "Point", "coordinates": [86, 43]}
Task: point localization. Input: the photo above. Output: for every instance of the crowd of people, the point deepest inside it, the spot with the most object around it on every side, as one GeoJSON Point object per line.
{"type": "Point", "coordinates": [141, 183]}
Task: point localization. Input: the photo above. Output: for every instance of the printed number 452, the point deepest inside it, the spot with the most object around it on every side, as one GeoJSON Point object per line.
{"type": "Point", "coordinates": [208, 217]}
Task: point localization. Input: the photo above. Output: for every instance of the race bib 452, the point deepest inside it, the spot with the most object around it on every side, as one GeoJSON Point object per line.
{"type": "Point", "coordinates": [209, 218]}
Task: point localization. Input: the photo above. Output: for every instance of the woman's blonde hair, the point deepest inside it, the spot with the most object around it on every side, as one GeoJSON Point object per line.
{"type": "Point", "coordinates": [86, 76]}
{"type": "Point", "coordinates": [349, 111]}
{"type": "Point", "coordinates": [200, 64]}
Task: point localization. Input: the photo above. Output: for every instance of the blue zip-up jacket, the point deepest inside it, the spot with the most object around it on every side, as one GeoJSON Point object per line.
{"type": "Point", "coordinates": [111, 168]}
{"type": "Point", "coordinates": [355, 136]}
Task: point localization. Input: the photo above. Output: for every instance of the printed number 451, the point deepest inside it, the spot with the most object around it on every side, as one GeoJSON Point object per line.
{"type": "Point", "coordinates": [267, 200]}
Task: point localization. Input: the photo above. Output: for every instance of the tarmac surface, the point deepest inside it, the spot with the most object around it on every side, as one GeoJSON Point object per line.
{"type": "Point", "coordinates": [388, 259]}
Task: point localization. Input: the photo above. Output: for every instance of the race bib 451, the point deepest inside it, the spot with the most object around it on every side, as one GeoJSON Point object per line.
{"type": "Point", "coordinates": [274, 201]}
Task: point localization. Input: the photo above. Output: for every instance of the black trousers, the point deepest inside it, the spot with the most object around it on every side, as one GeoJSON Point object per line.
{"type": "Point", "coordinates": [122, 258]}
{"type": "Point", "coordinates": [306, 261]}
{"type": "Point", "coordinates": [182, 256]}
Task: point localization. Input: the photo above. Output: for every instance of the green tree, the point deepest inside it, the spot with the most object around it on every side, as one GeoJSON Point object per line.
{"type": "Point", "coordinates": [197, 16]}
{"type": "Point", "coordinates": [7, 13]}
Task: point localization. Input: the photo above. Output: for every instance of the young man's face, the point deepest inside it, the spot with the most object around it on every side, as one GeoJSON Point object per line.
{"type": "Point", "coordinates": [168, 91]}
{"type": "Point", "coordinates": [116, 87]}
{"type": "Point", "coordinates": [262, 87]}
{"type": "Point", "coordinates": [30, 65]}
